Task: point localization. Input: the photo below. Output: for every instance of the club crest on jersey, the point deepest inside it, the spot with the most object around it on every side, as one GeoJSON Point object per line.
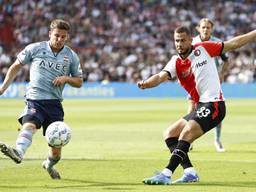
{"type": "Point", "coordinates": [197, 52]}
{"type": "Point", "coordinates": [66, 58]}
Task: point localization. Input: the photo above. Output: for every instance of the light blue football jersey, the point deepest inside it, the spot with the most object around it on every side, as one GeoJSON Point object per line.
{"type": "Point", "coordinates": [45, 66]}
{"type": "Point", "coordinates": [197, 39]}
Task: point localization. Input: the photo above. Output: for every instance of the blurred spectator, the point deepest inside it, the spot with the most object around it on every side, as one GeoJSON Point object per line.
{"type": "Point", "coordinates": [126, 40]}
{"type": "Point", "coordinates": [7, 38]}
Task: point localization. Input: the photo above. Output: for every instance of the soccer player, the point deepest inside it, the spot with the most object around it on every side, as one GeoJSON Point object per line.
{"type": "Point", "coordinates": [52, 64]}
{"type": "Point", "coordinates": [205, 29]}
{"type": "Point", "coordinates": [198, 75]}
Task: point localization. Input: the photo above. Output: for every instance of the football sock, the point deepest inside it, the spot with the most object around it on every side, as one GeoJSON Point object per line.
{"type": "Point", "coordinates": [24, 140]}
{"type": "Point", "coordinates": [167, 172]}
{"type": "Point", "coordinates": [186, 163]}
{"type": "Point", "coordinates": [190, 170]}
{"type": "Point", "coordinates": [217, 132]}
{"type": "Point", "coordinates": [51, 161]}
{"type": "Point", "coordinates": [178, 155]}
{"type": "Point", "coordinates": [172, 144]}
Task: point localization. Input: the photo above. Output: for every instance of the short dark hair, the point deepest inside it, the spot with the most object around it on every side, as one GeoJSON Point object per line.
{"type": "Point", "coordinates": [183, 29]}
{"type": "Point", "coordinates": [60, 24]}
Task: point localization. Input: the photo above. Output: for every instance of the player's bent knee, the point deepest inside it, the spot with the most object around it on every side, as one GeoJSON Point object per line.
{"type": "Point", "coordinates": [175, 129]}
{"type": "Point", "coordinates": [187, 135]}
{"type": "Point", "coordinates": [190, 133]}
{"type": "Point", "coordinates": [29, 126]}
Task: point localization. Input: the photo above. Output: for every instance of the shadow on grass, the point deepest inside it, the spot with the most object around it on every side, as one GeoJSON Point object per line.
{"type": "Point", "coordinates": [116, 185]}
{"type": "Point", "coordinates": [106, 185]}
{"type": "Point", "coordinates": [82, 184]}
{"type": "Point", "coordinates": [243, 184]}
{"type": "Point", "coordinates": [76, 183]}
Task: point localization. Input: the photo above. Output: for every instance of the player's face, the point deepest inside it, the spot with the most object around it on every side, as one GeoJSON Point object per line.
{"type": "Point", "coordinates": [183, 43]}
{"type": "Point", "coordinates": [58, 38]}
{"type": "Point", "coordinates": [205, 30]}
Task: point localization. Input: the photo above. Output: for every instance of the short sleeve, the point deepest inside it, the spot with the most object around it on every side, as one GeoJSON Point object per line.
{"type": "Point", "coordinates": [171, 67]}
{"type": "Point", "coordinates": [25, 56]}
{"type": "Point", "coordinates": [76, 70]}
{"type": "Point", "coordinates": [213, 48]}
{"type": "Point", "coordinates": [224, 56]}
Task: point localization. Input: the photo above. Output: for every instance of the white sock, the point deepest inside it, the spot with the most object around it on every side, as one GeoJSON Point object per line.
{"type": "Point", "coordinates": [24, 140]}
{"type": "Point", "coordinates": [190, 170]}
{"type": "Point", "coordinates": [167, 172]}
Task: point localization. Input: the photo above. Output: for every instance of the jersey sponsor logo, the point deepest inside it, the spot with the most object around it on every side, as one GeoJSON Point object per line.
{"type": "Point", "coordinates": [53, 65]}
{"type": "Point", "coordinates": [200, 64]}
{"type": "Point", "coordinates": [197, 52]}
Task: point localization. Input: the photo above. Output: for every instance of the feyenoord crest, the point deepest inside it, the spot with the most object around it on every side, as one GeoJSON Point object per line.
{"type": "Point", "coordinates": [197, 52]}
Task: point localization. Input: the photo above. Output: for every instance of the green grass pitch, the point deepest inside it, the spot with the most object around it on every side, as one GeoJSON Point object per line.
{"type": "Point", "coordinates": [117, 143]}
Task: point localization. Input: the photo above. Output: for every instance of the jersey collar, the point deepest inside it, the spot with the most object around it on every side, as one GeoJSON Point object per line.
{"type": "Point", "coordinates": [190, 51]}
{"type": "Point", "coordinates": [50, 49]}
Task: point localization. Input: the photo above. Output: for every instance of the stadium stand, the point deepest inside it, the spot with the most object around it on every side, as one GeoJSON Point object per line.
{"type": "Point", "coordinates": [125, 40]}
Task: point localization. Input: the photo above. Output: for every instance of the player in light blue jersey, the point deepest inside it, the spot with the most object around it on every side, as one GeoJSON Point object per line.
{"type": "Point", "coordinates": [52, 65]}
{"type": "Point", "coordinates": [205, 29]}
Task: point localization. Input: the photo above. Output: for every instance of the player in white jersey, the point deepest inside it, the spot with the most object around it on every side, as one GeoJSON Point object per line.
{"type": "Point", "coordinates": [205, 28]}
{"type": "Point", "coordinates": [52, 64]}
{"type": "Point", "coordinates": [198, 75]}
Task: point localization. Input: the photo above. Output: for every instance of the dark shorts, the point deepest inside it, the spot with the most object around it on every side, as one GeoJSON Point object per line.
{"type": "Point", "coordinates": [42, 113]}
{"type": "Point", "coordinates": [208, 115]}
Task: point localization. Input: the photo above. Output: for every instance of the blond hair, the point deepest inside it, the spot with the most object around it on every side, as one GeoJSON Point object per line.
{"type": "Point", "coordinates": [205, 20]}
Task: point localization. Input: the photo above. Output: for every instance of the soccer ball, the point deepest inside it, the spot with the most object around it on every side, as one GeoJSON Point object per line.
{"type": "Point", "coordinates": [58, 134]}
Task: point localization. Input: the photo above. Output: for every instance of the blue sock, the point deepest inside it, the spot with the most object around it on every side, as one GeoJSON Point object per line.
{"type": "Point", "coordinates": [24, 140]}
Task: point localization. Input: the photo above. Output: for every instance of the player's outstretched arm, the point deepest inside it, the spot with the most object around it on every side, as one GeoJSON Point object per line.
{"type": "Point", "coordinates": [10, 75]}
{"type": "Point", "coordinates": [239, 41]}
{"type": "Point", "coordinates": [154, 80]}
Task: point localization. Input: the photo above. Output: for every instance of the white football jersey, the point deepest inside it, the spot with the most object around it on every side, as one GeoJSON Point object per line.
{"type": "Point", "coordinates": [198, 74]}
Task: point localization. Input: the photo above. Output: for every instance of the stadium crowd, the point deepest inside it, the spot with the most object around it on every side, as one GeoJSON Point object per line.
{"type": "Point", "coordinates": [125, 40]}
